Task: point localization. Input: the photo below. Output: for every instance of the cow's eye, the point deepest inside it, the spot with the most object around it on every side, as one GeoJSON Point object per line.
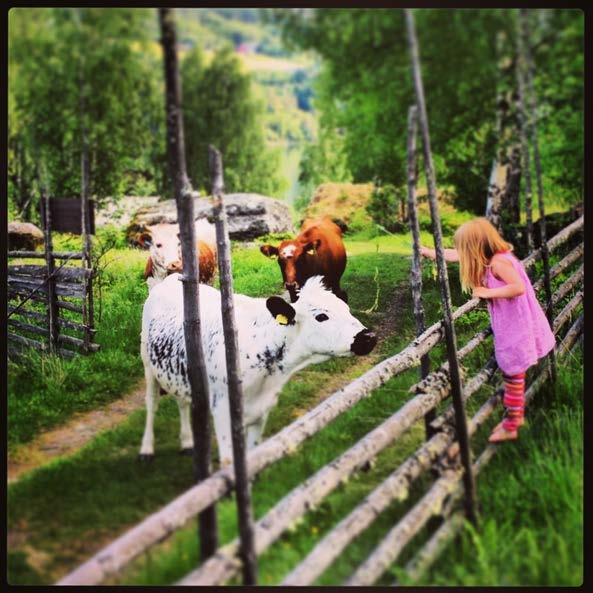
{"type": "Point", "coordinates": [321, 317]}
{"type": "Point", "coordinates": [159, 245]}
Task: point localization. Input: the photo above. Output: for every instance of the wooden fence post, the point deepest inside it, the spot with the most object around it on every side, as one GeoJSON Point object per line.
{"type": "Point", "coordinates": [416, 271]}
{"type": "Point", "coordinates": [87, 297]}
{"type": "Point", "coordinates": [235, 385]}
{"type": "Point", "coordinates": [52, 308]}
{"type": "Point", "coordinates": [527, 61]}
{"type": "Point", "coordinates": [191, 304]}
{"type": "Point", "coordinates": [456, 389]}
{"type": "Point", "coordinates": [523, 132]}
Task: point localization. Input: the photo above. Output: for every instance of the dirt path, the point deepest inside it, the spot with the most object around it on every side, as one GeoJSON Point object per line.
{"type": "Point", "coordinates": [74, 434]}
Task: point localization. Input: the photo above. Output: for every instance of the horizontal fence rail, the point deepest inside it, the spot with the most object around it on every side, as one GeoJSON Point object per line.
{"type": "Point", "coordinates": [225, 563]}
{"type": "Point", "coordinates": [30, 285]}
{"type": "Point", "coordinates": [454, 520]}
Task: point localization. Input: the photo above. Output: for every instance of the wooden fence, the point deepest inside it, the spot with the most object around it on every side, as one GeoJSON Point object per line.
{"type": "Point", "coordinates": [432, 454]}
{"type": "Point", "coordinates": [41, 295]}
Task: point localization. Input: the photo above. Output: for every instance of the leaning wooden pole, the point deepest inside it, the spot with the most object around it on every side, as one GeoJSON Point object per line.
{"type": "Point", "coordinates": [416, 271]}
{"type": "Point", "coordinates": [524, 136]}
{"type": "Point", "coordinates": [235, 386]}
{"type": "Point", "coordinates": [52, 307]}
{"type": "Point", "coordinates": [85, 229]}
{"type": "Point", "coordinates": [191, 303]}
{"type": "Point", "coordinates": [527, 60]}
{"type": "Point", "coordinates": [450, 337]}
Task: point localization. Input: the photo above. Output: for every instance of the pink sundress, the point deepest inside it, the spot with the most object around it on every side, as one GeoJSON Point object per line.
{"type": "Point", "coordinates": [522, 334]}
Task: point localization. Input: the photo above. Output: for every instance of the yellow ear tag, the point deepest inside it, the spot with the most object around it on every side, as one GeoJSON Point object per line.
{"type": "Point", "coordinates": [274, 256]}
{"type": "Point", "coordinates": [311, 251]}
{"type": "Point", "coordinates": [282, 319]}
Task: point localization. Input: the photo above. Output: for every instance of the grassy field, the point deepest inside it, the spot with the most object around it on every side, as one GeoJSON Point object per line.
{"type": "Point", "coordinates": [63, 512]}
{"type": "Point", "coordinates": [531, 501]}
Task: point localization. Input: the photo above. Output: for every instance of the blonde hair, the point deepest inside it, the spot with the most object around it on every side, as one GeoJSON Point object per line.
{"type": "Point", "coordinates": [476, 242]}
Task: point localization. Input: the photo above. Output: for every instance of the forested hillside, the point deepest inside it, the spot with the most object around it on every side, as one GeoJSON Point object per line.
{"type": "Point", "coordinates": [242, 90]}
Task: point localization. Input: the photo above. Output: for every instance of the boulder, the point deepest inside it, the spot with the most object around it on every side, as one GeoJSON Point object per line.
{"type": "Point", "coordinates": [249, 216]}
{"type": "Point", "coordinates": [24, 236]}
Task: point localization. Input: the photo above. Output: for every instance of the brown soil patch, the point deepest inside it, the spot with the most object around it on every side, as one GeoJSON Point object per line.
{"type": "Point", "coordinates": [72, 436]}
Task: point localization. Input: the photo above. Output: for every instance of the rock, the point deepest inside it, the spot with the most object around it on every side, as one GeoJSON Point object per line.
{"type": "Point", "coordinates": [24, 236]}
{"type": "Point", "coordinates": [249, 216]}
{"type": "Point", "coordinates": [119, 213]}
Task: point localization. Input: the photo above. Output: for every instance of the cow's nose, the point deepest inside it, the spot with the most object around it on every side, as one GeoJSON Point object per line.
{"type": "Point", "coordinates": [364, 342]}
{"type": "Point", "coordinates": [175, 266]}
{"type": "Point", "coordinates": [293, 291]}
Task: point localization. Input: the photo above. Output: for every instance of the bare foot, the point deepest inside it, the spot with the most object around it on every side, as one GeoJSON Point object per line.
{"type": "Point", "coordinates": [500, 435]}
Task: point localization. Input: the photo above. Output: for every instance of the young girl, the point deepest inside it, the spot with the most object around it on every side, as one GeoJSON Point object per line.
{"type": "Point", "coordinates": [522, 334]}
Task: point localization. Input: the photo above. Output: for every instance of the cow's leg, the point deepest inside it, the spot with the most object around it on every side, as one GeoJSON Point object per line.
{"type": "Point", "coordinates": [186, 435]}
{"type": "Point", "coordinates": [152, 391]}
{"type": "Point", "coordinates": [222, 426]}
{"type": "Point", "coordinates": [255, 430]}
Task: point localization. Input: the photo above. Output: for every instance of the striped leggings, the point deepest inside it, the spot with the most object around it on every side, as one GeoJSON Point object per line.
{"type": "Point", "coordinates": [513, 400]}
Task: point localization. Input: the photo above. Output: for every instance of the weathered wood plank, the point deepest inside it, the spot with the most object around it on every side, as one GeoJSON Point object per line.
{"type": "Point", "coordinates": [35, 329]}
{"type": "Point", "coordinates": [399, 536]}
{"type": "Point", "coordinates": [77, 343]}
{"type": "Point", "coordinates": [449, 326]}
{"type": "Point", "coordinates": [568, 311]}
{"type": "Point", "coordinates": [433, 548]}
{"type": "Point", "coordinates": [394, 487]}
{"type": "Point", "coordinates": [575, 280]}
{"type": "Point", "coordinates": [41, 255]}
{"type": "Point", "coordinates": [62, 289]}
{"type": "Point", "coordinates": [63, 323]}
{"type": "Point", "coordinates": [27, 342]}
{"type": "Point", "coordinates": [178, 512]}
{"type": "Point", "coordinates": [416, 269]}
{"type": "Point", "coordinates": [564, 263]}
{"type": "Point", "coordinates": [235, 388]}
{"type": "Point", "coordinates": [69, 306]}
{"type": "Point", "coordinates": [223, 564]}
{"type": "Point", "coordinates": [65, 274]}
{"type": "Point", "coordinates": [200, 408]}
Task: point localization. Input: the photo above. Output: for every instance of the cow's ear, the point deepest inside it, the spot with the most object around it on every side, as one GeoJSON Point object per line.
{"type": "Point", "coordinates": [145, 240]}
{"type": "Point", "coordinates": [311, 248]}
{"type": "Point", "coordinates": [281, 311]}
{"type": "Point", "coordinates": [269, 250]}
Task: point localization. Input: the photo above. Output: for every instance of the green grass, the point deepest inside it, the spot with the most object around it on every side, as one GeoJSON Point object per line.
{"type": "Point", "coordinates": [62, 513]}
{"type": "Point", "coordinates": [46, 390]}
{"type": "Point", "coordinates": [531, 499]}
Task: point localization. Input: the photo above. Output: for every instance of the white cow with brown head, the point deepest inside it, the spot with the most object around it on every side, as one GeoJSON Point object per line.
{"type": "Point", "coordinates": [165, 251]}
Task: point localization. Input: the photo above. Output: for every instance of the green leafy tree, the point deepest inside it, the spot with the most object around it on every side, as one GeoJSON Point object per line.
{"type": "Point", "coordinates": [367, 78]}
{"type": "Point", "coordinates": [219, 108]}
{"type": "Point", "coordinates": [75, 69]}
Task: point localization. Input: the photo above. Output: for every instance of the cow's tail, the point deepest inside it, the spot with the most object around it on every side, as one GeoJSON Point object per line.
{"type": "Point", "coordinates": [206, 232]}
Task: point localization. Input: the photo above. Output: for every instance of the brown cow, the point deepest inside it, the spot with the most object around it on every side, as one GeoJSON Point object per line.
{"type": "Point", "coordinates": [317, 251]}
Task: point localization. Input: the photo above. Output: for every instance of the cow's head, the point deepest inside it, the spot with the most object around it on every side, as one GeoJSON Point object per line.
{"type": "Point", "coordinates": [165, 248]}
{"type": "Point", "coordinates": [293, 257]}
{"type": "Point", "coordinates": [324, 323]}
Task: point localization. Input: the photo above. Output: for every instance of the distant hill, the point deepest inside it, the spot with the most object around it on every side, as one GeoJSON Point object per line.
{"type": "Point", "coordinates": [283, 80]}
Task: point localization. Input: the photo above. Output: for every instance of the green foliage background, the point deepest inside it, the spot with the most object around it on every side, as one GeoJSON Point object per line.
{"type": "Point", "coordinates": [365, 90]}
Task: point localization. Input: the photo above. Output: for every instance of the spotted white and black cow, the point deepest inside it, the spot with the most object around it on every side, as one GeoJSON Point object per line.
{"type": "Point", "coordinates": [275, 339]}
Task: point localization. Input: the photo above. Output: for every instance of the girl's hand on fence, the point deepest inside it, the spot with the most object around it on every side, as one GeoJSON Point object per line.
{"type": "Point", "coordinates": [481, 292]}
{"type": "Point", "coordinates": [427, 252]}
